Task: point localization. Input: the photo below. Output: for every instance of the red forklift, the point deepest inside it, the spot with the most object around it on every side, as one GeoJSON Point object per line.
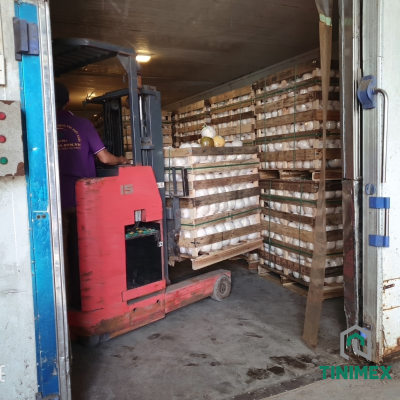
{"type": "Point", "coordinates": [126, 234]}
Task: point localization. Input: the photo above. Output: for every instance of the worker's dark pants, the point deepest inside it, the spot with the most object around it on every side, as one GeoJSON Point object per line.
{"type": "Point", "coordinates": [71, 257]}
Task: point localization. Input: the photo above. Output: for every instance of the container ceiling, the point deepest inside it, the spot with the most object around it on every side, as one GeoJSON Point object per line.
{"type": "Point", "coordinates": [195, 44]}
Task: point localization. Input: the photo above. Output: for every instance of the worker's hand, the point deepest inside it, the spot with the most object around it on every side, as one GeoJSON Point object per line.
{"type": "Point", "coordinates": [123, 160]}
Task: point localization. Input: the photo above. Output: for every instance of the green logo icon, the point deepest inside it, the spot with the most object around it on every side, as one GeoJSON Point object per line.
{"type": "Point", "coordinates": [360, 336]}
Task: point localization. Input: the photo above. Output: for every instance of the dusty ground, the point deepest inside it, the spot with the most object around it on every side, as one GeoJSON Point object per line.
{"type": "Point", "coordinates": [213, 350]}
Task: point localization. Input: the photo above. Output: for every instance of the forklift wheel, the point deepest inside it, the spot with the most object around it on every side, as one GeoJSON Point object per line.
{"type": "Point", "coordinates": [222, 288]}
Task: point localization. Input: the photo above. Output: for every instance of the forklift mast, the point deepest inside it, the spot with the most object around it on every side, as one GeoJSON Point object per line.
{"type": "Point", "coordinates": [144, 103]}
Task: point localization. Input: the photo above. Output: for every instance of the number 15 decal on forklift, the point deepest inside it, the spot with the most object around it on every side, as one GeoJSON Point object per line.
{"type": "Point", "coordinates": [126, 189]}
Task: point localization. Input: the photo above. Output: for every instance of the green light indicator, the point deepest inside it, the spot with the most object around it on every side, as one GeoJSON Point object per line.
{"type": "Point", "coordinates": [3, 161]}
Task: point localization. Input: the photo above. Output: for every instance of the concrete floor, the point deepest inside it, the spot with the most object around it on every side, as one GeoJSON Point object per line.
{"type": "Point", "coordinates": [213, 350]}
{"type": "Point", "coordinates": [345, 389]}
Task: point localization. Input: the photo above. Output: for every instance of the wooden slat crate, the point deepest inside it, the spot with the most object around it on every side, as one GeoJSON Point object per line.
{"type": "Point", "coordinates": [194, 203]}
{"type": "Point", "coordinates": [232, 114]}
{"type": "Point", "coordinates": [289, 110]}
{"type": "Point", "coordinates": [168, 127]}
{"type": "Point", "coordinates": [201, 249]}
{"type": "Point", "coordinates": [296, 267]}
{"type": "Point", "coordinates": [335, 253]}
{"type": "Point", "coordinates": [288, 207]}
{"type": "Point", "coordinates": [227, 216]}
{"type": "Point", "coordinates": [292, 72]}
{"type": "Point", "coordinates": [297, 285]}
{"type": "Point", "coordinates": [194, 186]}
{"type": "Point", "coordinates": [189, 121]}
{"type": "Point", "coordinates": [305, 116]}
{"type": "Point", "coordinates": [237, 159]}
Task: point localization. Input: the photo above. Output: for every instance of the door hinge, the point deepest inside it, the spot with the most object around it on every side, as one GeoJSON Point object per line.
{"type": "Point", "coordinates": [26, 38]}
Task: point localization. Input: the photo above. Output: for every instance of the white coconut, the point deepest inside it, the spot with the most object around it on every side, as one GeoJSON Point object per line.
{"type": "Point", "coordinates": [214, 209]}
{"type": "Point", "coordinates": [185, 213]}
{"type": "Point", "coordinates": [246, 201]}
{"type": "Point", "coordinates": [223, 206]}
{"type": "Point", "coordinates": [231, 157]}
{"type": "Point", "coordinates": [202, 211]}
{"type": "Point", "coordinates": [202, 192]}
{"type": "Point", "coordinates": [208, 131]}
{"type": "Point", "coordinates": [200, 177]}
{"type": "Point", "coordinates": [203, 159]}
{"type": "Point", "coordinates": [239, 203]}
{"type": "Point", "coordinates": [231, 205]}
{"type": "Point", "coordinates": [179, 161]}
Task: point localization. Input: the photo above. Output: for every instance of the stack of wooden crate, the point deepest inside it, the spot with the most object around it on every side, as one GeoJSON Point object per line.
{"type": "Point", "coordinates": [232, 115]}
{"type": "Point", "coordinates": [288, 223]}
{"type": "Point", "coordinates": [289, 122]}
{"type": "Point", "coordinates": [189, 121]}
{"type": "Point", "coordinates": [219, 201]}
{"type": "Point", "coordinates": [168, 127]}
{"type": "Point", "coordinates": [289, 131]}
{"type": "Point", "coordinates": [127, 132]}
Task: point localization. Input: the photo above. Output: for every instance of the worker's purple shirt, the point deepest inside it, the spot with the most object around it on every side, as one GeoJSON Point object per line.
{"type": "Point", "coordinates": [78, 142]}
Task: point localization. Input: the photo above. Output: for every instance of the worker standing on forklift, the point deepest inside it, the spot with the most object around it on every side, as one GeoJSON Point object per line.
{"type": "Point", "coordinates": [78, 144]}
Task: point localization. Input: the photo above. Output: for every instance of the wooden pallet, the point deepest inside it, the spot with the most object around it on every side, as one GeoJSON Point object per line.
{"type": "Point", "coordinates": [298, 285]}
{"type": "Point", "coordinates": [245, 261]}
{"type": "Point", "coordinates": [330, 174]}
{"type": "Point", "coordinates": [205, 260]}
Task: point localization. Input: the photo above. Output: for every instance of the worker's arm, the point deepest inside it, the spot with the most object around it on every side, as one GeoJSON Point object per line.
{"type": "Point", "coordinates": [107, 158]}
